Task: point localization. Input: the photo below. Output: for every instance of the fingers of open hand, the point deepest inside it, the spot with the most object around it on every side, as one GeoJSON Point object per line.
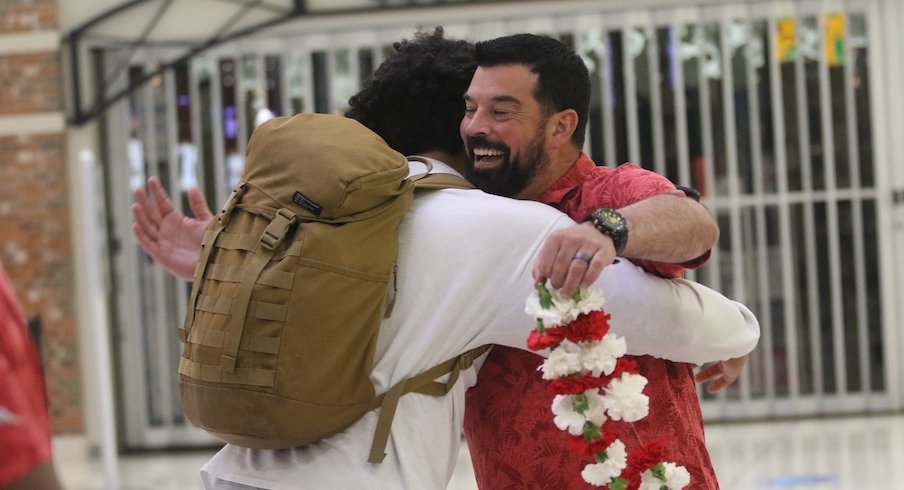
{"type": "Point", "coordinates": [198, 204]}
{"type": "Point", "coordinates": [147, 243]}
{"type": "Point", "coordinates": [145, 210]}
{"type": "Point", "coordinates": [164, 205]}
{"type": "Point", "coordinates": [143, 222]}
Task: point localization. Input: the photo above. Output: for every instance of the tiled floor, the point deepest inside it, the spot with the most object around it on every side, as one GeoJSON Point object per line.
{"type": "Point", "coordinates": [855, 453]}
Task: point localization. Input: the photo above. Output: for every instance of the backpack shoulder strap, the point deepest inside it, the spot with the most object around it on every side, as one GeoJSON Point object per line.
{"type": "Point", "coordinates": [424, 383]}
{"type": "Point", "coordinates": [429, 180]}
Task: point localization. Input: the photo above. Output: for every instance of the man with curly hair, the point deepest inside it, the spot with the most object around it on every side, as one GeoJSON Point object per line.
{"type": "Point", "coordinates": [458, 250]}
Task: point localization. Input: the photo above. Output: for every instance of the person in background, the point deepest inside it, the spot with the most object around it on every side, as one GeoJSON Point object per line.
{"type": "Point", "coordinates": [25, 432]}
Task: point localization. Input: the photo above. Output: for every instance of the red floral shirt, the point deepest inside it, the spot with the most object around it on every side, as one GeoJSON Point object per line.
{"type": "Point", "coordinates": [24, 422]}
{"type": "Point", "coordinates": [513, 441]}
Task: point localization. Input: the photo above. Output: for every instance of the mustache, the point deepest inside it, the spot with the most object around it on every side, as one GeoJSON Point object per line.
{"type": "Point", "coordinates": [482, 142]}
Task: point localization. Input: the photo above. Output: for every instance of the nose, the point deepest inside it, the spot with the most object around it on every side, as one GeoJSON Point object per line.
{"type": "Point", "coordinates": [475, 123]}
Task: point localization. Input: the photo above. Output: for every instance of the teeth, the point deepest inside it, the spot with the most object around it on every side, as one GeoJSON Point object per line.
{"type": "Point", "coordinates": [487, 152]}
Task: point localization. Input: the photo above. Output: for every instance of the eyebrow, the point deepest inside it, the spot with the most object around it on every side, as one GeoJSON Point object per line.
{"type": "Point", "coordinates": [498, 98]}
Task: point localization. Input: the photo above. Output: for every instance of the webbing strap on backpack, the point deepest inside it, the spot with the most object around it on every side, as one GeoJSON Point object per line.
{"type": "Point", "coordinates": [210, 240]}
{"type": "Point", "coordinates": [424, 383]}
{"type": "Point", "coordinates": [269, 240]}
{"type": "Point", "coordinates": [441, 181]}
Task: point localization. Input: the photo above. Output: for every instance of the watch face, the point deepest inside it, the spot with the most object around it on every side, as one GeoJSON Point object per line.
{"type": "Point", "coordinates": [611, 219]}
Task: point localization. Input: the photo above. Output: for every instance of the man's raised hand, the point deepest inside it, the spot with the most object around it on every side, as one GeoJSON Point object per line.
{"type": "Point", "coordinates": [172, 239]}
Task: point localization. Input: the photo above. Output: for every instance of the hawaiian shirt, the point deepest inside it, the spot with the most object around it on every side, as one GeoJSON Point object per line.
{"type": "Point", "coordinates": [508, 423]}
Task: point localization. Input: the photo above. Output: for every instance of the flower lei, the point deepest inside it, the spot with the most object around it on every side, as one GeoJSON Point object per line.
{"type": "Point", "coordinates": [592, 384]}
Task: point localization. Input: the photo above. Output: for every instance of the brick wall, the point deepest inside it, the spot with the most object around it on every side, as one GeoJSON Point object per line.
{"type": "Point", "coordinates": [28, 15]}
{"type": "Point", "coordinates": [31, 83]}
{"type": "Point", "coordinates": [34, 204]}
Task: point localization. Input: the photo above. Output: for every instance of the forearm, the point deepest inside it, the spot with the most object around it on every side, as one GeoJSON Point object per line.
{"type": "Point", "coordinates": [668, 228]}
{"type": "Point", "coordinates": [676, 319]}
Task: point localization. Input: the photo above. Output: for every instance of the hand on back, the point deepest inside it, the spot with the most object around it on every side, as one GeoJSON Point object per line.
{"type": "Point", "coordinates": [721, 374]}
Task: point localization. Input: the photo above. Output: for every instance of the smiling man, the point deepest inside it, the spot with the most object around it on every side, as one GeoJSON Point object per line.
{"type": "Point", "coordinates": [524, 125]}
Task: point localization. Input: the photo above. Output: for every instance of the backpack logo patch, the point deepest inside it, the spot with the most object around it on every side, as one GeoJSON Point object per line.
{"type": "Point", "coordinates": [305, 202]}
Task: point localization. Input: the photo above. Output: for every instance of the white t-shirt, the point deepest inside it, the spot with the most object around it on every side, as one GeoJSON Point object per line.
{"type": "Point", "coordinates": [465, 264]}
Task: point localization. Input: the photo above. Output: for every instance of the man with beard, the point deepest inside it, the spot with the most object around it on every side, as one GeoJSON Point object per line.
{"type": "Point", "coordinates": [427, 77]}
{"type": "Point", "coordinates": [525, 118]}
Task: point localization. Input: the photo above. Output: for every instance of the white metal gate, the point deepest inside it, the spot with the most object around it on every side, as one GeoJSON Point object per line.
{"type": "Point", "coordinates": [773, 110]}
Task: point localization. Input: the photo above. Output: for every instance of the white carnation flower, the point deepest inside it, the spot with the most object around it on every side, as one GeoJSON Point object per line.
{"type": "Point", "coordinates": [566, 418]}
{"type": "Point", "coordinates": [624, 398]}
{"type": "Point", "coordinates": [676, 478]}
{"type": "Point", "coordinates": [601, 357]}
{"type": "Point", "coordinates": [554, 316]}
{"type": "Point", "coordinates": [601, 474]}
{"type": "Point", "coordinates": [591, 300]}
{"type": "Point", "coordinates": [596, 411]}
{"type": "Point", "coordinates": [562, 361]}
{"type": "Point", "coordinates": [563, 310]}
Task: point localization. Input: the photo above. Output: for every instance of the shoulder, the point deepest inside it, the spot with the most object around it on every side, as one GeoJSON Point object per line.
{"type": "Point", "coordinates": [480, 207]}
{"type": "Point", "coordinates": [627, 184]}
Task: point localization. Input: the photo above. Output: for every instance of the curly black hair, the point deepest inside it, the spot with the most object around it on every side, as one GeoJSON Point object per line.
{"type": "Point", "coordinates": [414, 98]}
{"type": "Point", "coordinates": [563, 79]}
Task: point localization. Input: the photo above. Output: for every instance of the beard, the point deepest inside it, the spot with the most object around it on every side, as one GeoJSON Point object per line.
{"type": "Point", "coordinates": [513, 174]}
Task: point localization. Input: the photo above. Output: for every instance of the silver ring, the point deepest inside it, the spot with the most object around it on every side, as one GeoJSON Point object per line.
{"type": "Point", "coordinates": [582, 257]}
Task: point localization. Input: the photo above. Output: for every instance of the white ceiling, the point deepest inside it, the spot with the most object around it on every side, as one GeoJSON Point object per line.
{"type": "Point", "coordinates": [181, 20]}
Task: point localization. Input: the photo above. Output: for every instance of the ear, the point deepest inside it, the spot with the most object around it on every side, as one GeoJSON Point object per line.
{"type": "Point", "coordinates": [563, 124]}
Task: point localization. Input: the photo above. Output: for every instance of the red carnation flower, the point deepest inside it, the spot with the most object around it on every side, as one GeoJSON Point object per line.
{"type": "Point", "coordinates": [551, 337]}
{"type": "Point", "coordinates": [642, 459]}
{"type": "Point", "coordinates": [574, 385]}
{"type": "Point", "coordinates": [589, 449]}
{"type": "Point", "coordinates": [588, 327]}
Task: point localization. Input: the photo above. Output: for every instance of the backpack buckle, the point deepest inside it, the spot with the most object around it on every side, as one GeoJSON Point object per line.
{"type": "Point", "coordinates": [276, 230]}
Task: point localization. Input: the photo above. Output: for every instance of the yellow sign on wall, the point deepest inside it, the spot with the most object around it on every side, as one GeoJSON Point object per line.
{"type": "Point", "coordinates": [786, 42]}
{"type": "Point", "coordinates": [834, 39]}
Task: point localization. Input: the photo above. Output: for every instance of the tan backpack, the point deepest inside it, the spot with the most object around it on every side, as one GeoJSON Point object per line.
{"type": "Point", "coordinates": [291, 288]}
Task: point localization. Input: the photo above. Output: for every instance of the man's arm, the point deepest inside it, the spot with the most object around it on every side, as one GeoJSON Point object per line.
{"type": "Point", "coordinates": [668, 228]}
{"type": "Point", "coordinates": [672, 319]}
{"type": "Point", "coordinates": [172, 239]}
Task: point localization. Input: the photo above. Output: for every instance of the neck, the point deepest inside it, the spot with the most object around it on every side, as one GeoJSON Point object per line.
{"type": "Point", "coordinates": [454, 160]}
{"type": "Point", "coordinates": [558, 164]}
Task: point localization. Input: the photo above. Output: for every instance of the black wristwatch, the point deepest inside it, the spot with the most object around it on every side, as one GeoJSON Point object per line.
{"type": "Point", "coordinates": [612, 224]}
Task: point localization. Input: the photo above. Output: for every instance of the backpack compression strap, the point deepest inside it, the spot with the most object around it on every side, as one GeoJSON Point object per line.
{"type": "Point", "coordinates": [208, 243]}
{"type": "Point", "coordinates": [424, 383]}
{"type": "Point", "coordinates": [269, 240]}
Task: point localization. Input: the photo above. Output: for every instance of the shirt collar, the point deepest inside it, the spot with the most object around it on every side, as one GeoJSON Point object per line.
{"type": "Point", "coordinates": [568, 181]}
